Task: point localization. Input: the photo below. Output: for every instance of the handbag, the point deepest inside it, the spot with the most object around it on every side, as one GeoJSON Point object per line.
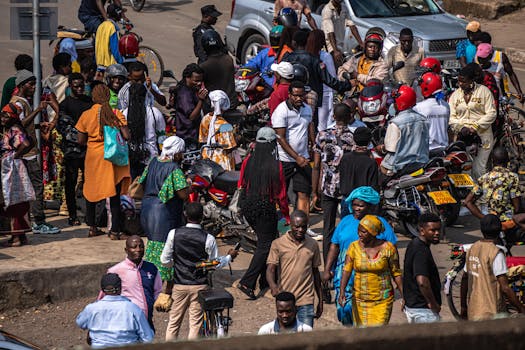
{"type": "Point", "coordinates": [16, 184]}
{"type": "Point", "coordinates": [115, 147]}
{"type": "Point", "coordinates": [136, 189]}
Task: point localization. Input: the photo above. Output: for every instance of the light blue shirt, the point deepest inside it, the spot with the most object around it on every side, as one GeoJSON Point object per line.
{"type": "Point", "coordinates": [115, 321]}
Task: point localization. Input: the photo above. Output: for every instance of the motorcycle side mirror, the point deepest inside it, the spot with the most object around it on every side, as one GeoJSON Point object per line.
{"type": "Point", "coordinates": [168, 74]}
{"type": "Point", "coordinates": [225, 128]}
{"type": "Point", "coordinates": [398, 65]}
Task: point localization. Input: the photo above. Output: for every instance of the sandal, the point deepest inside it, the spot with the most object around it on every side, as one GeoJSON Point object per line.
{"type": "Point", "coordinates": [248, 291]}
{"type": "Point", "coordinates": [95, 233]}
{"type": "Point", "coordinates": [74, 222]}
{"type": "Point", "coordinates": [113, 236]}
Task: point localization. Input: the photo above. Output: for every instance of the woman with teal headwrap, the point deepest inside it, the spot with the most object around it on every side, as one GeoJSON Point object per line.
{"type": "Point", "coordinates": [360, 203]}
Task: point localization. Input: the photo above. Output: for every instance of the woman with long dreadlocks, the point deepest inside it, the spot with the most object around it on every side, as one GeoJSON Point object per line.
{"type": "Point", "coordinates": [145, 125]}
{"type": "Point", "coordinates": [263, 181]}
{"type": "Point", "coordinates": [103, 179]}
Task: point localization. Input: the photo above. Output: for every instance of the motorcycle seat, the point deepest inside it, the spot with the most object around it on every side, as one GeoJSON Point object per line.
{"type": "Point", "coordinates": [227, 181]}
{"type": "Point", "coordinates": [434, 162]}
{"type": "Point", "coordinates": [215, 299]}
{"type": "Point", "coordinates": [233, 116]}
{"type": "Point", "coordinates": [456, 146]}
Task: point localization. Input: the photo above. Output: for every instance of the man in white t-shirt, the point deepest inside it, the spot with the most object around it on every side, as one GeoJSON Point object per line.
{"type": "Point", "coordinates": [292, 121]}
{"type": "Point", "coordinates": [437, 111]}
{"type": "Point", "coordinates": [286, 321]}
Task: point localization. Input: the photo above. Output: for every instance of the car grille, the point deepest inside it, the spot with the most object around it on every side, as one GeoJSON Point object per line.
{"type": "Point", "coordinates": [443, 45]}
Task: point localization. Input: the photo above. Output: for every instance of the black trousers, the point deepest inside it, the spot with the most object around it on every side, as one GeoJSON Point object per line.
{"type": "Point", "coordinates": [114, 204]}
{"type": "Point", "coordinates": [72, 166]}
{"type": "Point", "coordinates": [266, 229]}
{"type": "Point", "coordinates": [329, 205]}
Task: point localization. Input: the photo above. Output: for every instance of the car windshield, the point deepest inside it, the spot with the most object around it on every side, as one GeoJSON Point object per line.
{"type": "Point", "coordinates": [393, 8]}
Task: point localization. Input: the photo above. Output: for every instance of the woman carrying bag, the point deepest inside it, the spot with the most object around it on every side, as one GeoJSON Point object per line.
{"type": "Point", "coordinates": [103, 178]}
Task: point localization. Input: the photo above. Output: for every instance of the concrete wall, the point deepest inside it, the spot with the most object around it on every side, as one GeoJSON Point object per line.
{"type": "Point", "coordinates": [23, 289]}
{"type": "Point", "coordinates": [482, 8]}
{"type": "Point", "coordinates": [505, 334]}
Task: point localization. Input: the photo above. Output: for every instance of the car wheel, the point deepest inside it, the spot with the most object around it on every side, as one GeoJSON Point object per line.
{"type": "Point", "coordinates": [251, 47]}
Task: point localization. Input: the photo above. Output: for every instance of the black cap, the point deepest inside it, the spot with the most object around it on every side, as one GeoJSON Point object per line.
{"type": "Point", "coordinates": [114, 10]}
{"type": "Point", "coordinates": [110, 281]}
{"type": "Point", "coordinates": [210, 10]}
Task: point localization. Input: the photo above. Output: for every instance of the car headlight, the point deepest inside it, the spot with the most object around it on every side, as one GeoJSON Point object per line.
{"type": "Point", "coordinates": [241, 84]}
{"type": "Point", "coordinates": [371, 107]}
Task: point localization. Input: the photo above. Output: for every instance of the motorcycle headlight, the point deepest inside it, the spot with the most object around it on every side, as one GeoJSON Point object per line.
{"type": "Point", "coordinates": [371, 107]}
{"type": "Point", "coordinates": [241, 84]}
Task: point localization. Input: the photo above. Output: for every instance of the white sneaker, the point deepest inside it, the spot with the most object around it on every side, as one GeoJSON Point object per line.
{"type": "Point", "coordinates": [314, 235]}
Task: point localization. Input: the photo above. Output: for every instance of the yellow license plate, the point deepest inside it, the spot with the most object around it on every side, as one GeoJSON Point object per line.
{"type": "Point", "coordinates": [461, 180]}
{"type": "Point", "coordinates": [442, 197]}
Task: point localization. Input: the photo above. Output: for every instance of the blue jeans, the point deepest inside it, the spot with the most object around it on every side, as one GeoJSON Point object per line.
{"type": "Point", "coordinates": [91, 23]}
{"type": "Point", "coordinates": [421, 315]}
{"type": "Point", "coordinates": [305, 314]}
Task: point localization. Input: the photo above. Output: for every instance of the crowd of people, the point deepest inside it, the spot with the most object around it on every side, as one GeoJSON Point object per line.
{"type": "Point", "coordinates": [312, 146]}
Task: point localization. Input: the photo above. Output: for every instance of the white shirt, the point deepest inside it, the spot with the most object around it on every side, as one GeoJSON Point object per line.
{"type": "Point", "coordinates": [332, 22]}
{"type": "Point", "coordinates": [269, 328]}
{"type": "Point", "coordinates": [437, 114]}
{"type": "Point", "coordinates": [328, 60]}
{"type": "Point", "coordinates": [155, 125]}
{"type": "Point", "coordinates": [166, 258]}
{"type": "Point", "coordinates": [123, 96]}
{"type": "Point", "coordinates": [499, 265]}
{"type": "Point", "coordinates": [296, 124]}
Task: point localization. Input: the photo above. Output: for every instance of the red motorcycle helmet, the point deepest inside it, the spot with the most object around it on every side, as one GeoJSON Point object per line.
{"type": "Point", "coordinates": [128, 45]}
{"type": "Point", "coordinates": [404, 98]}
{"type": "Point", "coordinates": [432, 64]}
{"type": "Point", "coordinates": [430, 83]}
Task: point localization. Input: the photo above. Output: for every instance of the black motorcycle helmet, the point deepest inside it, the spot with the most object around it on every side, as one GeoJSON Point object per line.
{"type": "Point", "coordinates": [288, 17]}
{"type": "Point", "coordinates": [211, 41]}
{"type": "Point", "coordinates": [300, 73]}
{"type": "Point", "coordinates": [275, 36]}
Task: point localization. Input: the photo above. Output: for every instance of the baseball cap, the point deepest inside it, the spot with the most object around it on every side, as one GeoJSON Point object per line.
{"type": "Point", "coordinates": [265, 135]}
{"type": "Point", "coordinates": [110, 281]}
{"type": "Point", "coordinates": [484, 50]}
{"type": "Point", "coordinates": [473, 26]}
{"type": "Point", "coordinates": [23, 76]}
{"type": "Point", "coordinates": [210, 10]}
{"type": "Point", "coordinates": [285, 69]}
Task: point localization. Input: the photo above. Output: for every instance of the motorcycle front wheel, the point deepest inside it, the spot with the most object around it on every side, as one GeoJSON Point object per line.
{"type": "Point", "coordinates": [137, 5]}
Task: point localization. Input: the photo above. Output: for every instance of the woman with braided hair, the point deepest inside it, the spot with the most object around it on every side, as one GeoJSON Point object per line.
{"type": "Point", "coordinates": [103, 179]}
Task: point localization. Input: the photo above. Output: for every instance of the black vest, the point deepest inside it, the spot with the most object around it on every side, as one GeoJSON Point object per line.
{"type": "Point", "coordinates": [189, 248]}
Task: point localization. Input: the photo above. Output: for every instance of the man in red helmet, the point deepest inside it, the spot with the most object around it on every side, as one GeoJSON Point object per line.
{"type": "Point", "coordinates": [406, 139]}
{"type": "Point", "coordinates": [368, 66]}
{"type": "Point", "coordinates": [437, 111]}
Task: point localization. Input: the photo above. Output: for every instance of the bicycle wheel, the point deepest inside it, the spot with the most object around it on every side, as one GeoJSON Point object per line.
{"type": "Point", "coordinates": [137, 5]}
{"type": "Point", "coordinates": [517, 116]}
{"type": "Point", "coordinates": [151, 58]}
{"type": "Point", "coordinates": [452, 288]}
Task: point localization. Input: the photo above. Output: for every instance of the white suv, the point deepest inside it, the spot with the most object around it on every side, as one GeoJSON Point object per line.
{"type": "Point", "coordinates": [435, 30]}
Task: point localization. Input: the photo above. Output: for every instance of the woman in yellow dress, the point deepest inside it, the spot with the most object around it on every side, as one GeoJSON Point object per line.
{"type": "Point", "coordinates": [376, 263]}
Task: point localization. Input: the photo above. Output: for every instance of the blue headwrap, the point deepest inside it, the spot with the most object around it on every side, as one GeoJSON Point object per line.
{"type": "Point", "coordinates": [365, 193]}
{"type": "Point", "coordinates": [67, 45]}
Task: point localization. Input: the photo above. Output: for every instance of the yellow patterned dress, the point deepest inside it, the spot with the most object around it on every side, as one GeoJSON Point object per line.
{"type": "Point", "coordinates": [373, 294]}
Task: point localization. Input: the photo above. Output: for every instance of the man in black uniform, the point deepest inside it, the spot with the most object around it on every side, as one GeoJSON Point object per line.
{"type": "Point", "coordinates": [209, 18]}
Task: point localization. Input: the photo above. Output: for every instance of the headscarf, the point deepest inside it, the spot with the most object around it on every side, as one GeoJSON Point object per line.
{"type": "Point", "coordinates": [67, 45]}
{"type": "Point", "coordinates": [171, 146]}
{"type": "Point", "coordinates": [100, 95]}
{"type": "Point", "coordinates": [372, 224]}
{"type": "Point", "coordinates": [11, 110]}
{"type": "Point", "coordinates": [220, 103]}
{"type": "Point", "coordinates": [365, 193]}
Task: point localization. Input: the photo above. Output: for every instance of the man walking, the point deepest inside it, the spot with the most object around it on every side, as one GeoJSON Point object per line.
{"type": "Point", "coordinates": [421, 283]}
{"type": "Point", "coordinates": [297, 257]}
{"type": "Point", "coordinates": [114, 320]}
{"type": "Point", "coordinates": [141, 282]}
{"type": "Point", "coordinates": [209, 19]}
{"type": "Point", "coordinates": [185, 247]}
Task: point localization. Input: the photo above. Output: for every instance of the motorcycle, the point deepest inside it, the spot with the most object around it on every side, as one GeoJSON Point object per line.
{"type": "Point", "coordinates": [250, 86]}
{"type": "Point", "coordinates": [407, 196]}
{"type": "Point", "coordinates": [214, 187]}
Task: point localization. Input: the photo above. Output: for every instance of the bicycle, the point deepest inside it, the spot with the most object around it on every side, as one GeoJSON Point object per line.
{"type": "Point", "coordinates": [452, 280]}
{"type": "Point", "coordinates": [137, 5]}
{"type": "Point", "coordinates": [214, 302]}
{"type": "Point", "coordinates": [512, 135]}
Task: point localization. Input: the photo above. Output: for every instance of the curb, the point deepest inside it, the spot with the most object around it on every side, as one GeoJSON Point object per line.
{"type": "Point", "coordinates": [515, 55]}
